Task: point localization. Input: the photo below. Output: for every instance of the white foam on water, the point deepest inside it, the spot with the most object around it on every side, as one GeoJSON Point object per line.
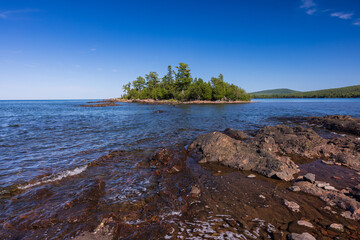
{"type": "Point", "coordinates": [56, 177]}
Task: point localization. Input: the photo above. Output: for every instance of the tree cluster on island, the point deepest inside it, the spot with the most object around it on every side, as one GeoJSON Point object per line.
{"type": "Point", "coordinates": [179, 85]}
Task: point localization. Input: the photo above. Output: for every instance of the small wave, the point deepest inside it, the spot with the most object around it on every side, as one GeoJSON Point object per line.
{"type": "Point", "coordinates": [57, 177]}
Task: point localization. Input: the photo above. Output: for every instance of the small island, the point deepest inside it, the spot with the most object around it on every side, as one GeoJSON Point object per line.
{"type": "Point", "coordinates": [179, 87]}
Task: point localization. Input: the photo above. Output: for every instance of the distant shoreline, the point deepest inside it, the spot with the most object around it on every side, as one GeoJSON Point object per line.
{"type": "Point", "coordinates": [343, 92]}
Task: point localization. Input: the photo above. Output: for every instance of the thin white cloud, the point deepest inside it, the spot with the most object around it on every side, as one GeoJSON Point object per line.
{"type": "Point", "coordinates": [311, 11]}
{"type": "Point", "coordinates": [9, 14]}
{"type": "Point", "coordinates": [93, 49]}
{"type": "Point", "coordinates": [114, 70]}
{"type": "Point", "coordinates": [307, 4]}
{"type": "Point", "coordinates": [342, 15]}
{"type": "Point", "coordinates": [99, 69]}
{"type": "Point", "coordinates": [311, 8]}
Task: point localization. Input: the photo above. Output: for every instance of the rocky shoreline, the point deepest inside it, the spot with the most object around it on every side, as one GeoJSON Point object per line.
{"type": "Point", "coordinates": [113, 102]}
{"type": "Point", "coordinates": [174, 102]}
{"type": "Point", "coordinates": [231, 185]}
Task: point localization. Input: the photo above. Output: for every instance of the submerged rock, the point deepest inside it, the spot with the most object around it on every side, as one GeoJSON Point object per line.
{"type": "Point", "coordinates": [103, 104]}
{"type": "Point", "coordinates": [332, 197]}
{"type": "Point", "coordinates": [293, 206]}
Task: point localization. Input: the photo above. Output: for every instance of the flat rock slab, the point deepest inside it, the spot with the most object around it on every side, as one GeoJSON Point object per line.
{"type": "Point", "coordinates": [342, 123]}
{"type": "Point", "coordinates": [293, 206]}
{"type": "Point", "coordinates": [337, 227]}
{"type": "Point", "coordinates": [303, 236]}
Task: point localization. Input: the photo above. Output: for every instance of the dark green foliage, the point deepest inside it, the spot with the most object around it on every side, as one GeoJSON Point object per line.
{"type": "Point", "coordinates": [274, 91]}
{"type": "Point", "coordinates": [345, 92]}
{"type": "Point", "coordinates": [200, 90]}
{"type": "Point", "coordinates": [181, 86]}
{"type": "Point", "coordinates": [183, 77]}
{"type": "Point", "coordinates": [219, 87]}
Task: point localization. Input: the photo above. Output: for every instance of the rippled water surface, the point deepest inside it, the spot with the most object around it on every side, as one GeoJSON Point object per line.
{"type": "Point", "coordinates": [44, 142]}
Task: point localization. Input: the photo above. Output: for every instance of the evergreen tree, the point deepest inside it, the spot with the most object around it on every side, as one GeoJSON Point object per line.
{"type": "Point", "coordinates": [152, 80]}
{"type": "Point", "coordinates": [183, 87]}
{"type": "Point", "coordinates": [127, 88]}
{"type": "Point", "coordinates": [183, 77]}
{"type": "Point", "coordinates": [219, 87]}
{"type": "Point", "coordinates": [139, 83]}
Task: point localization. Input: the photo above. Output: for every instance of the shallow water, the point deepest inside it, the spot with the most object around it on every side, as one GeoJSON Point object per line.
{"type": "Point", "coordinates": [57, 146]}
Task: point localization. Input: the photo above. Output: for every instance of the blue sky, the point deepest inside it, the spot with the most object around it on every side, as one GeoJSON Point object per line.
{"type": "Point", "coordinates": [89, 49]}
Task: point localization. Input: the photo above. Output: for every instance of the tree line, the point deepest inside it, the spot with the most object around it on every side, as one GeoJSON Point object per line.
{"type": "Point", "coordinates": [344, 92]}
{"type": "Point", "coordinates": [180, 85]}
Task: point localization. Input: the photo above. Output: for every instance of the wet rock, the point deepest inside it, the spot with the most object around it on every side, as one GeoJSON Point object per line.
{"type": "Point", "coordinates": [195, 191]}
{"type": "Point", "coordinates": [299, 226]}
{"type": "Point", "coordinates": [217, 147]}
{"type": "Point", "coordinates": [342, 123]}
{"type": "Point", "coordinates": [348, 215]}
{"type": "Point", "coordinates": [337, 227]}
{"type": "Point", "coordinates": [333, 197]}
{"type": "Point", "coordinates": [293, 206]}
{"type": "Point", "coordinates": [294, 188]}
{"type": "Point", "coordinates": [104, 104]}
{"type": "Point", "coordinates": [274, 148]}
{"type": "Point", "coordinates": [321, 184]}
{"type": "Point", "coordinates": [236, 134]}
{"type": "Point", "coordinates": [327, 162]}
{"type": "Point", "coordinates": [159, 111]}
{"type": "Point", "coordinates": [305, 223]}
{"type": "Point", "coordinates": [309, 177]}
{"type": "Point", "coordinates": [346, 151]}
{"type": "Point", "coordinates": [299, 141]}
{"type": "Point", "coordinates": [303, 236]}
{"type": "Point", "coordinates": [355, 192]}
{"type": "Point", "coordinates": [330, 188]}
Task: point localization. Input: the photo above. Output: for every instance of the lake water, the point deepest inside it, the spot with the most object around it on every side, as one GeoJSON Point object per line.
{"type": "Point", "coordinates": [56, 145]}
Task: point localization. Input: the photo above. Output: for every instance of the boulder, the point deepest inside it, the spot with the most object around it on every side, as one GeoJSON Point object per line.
{"type": "Point", "coordinates": [309, 177]}
{"type": "Point", "coordinates": [217, 147]}
{"type": "Point", "coordinates": [341, 123]}
{"type": "Point", "coordinates": [299, 141]}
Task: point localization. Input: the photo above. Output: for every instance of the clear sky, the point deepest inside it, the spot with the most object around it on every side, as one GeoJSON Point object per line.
{"type": "Point", "coordinates": [51, 49]}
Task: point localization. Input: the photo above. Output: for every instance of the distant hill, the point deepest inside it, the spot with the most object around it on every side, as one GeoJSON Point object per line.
{"type": "Point", "coordinates": [344, 92]}
{"type": "Point", "coordinates": [274, 91]}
